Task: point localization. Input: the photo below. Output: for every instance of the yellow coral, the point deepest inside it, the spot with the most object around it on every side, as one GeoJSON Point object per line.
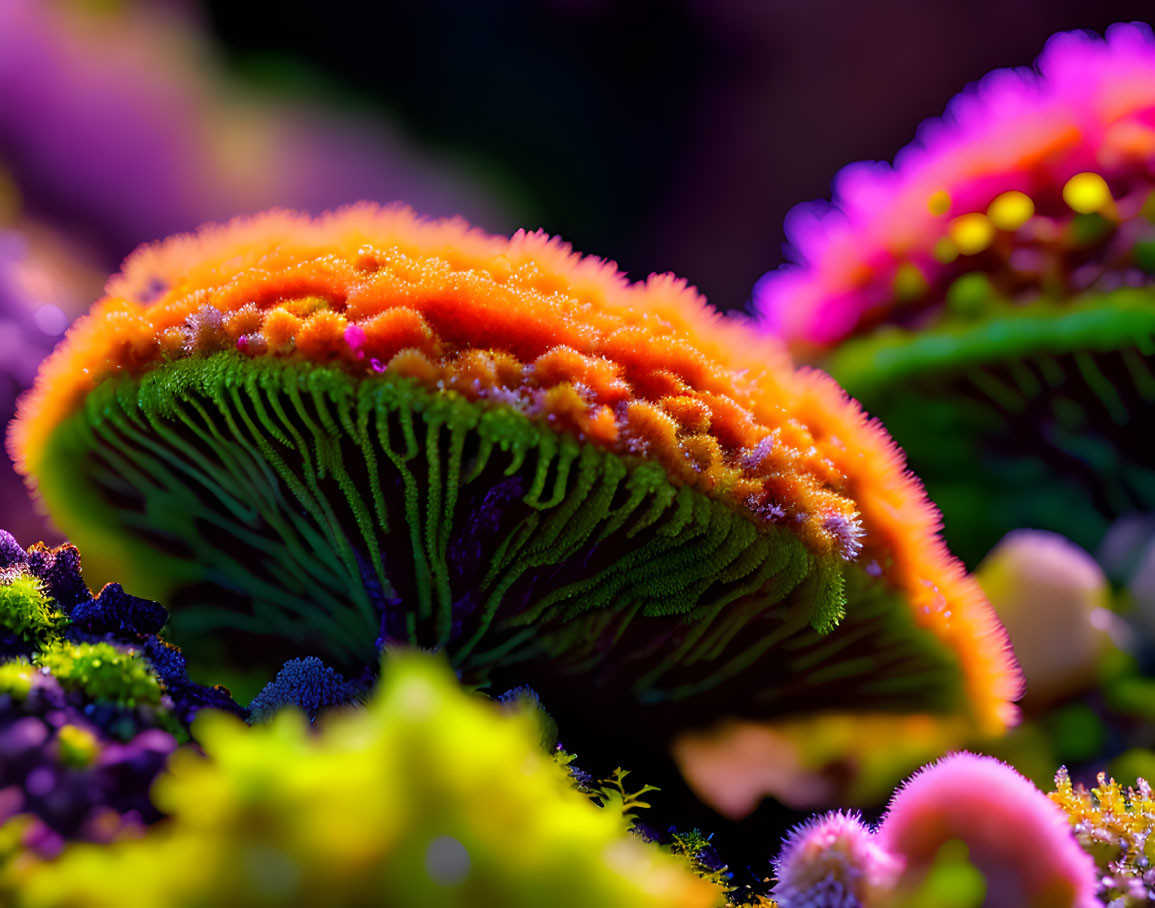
{"type": "Point", "coordinates": [429, 797]}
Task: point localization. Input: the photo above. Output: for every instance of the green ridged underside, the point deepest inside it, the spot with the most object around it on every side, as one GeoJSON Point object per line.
{"type": "Point", "coordinates": [1003, 332]}
{"type": "Point", "coordinates": [1035, 415]}
{"type": "Point", "coordinates": [271, 499]}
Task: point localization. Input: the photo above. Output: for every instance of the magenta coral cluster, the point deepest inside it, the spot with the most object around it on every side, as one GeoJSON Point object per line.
{"type": "Point", "coordinates": [1015, 836]}
{"type": "Point", "coordinates": [1010, 181]}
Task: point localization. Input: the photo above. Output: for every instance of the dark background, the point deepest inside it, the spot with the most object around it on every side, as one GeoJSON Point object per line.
{"type": "Point", "coordinates": [667, 135]}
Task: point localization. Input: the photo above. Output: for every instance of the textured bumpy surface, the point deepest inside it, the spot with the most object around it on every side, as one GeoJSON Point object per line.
{"type": "Point", "coordinates": [989, 295]}
{"type": "Point", "coordinates": [428, 798]}
{"type": "Point", "coordinates": [92, 702]}
{"type": "Point", "coordinates": [366, 428]}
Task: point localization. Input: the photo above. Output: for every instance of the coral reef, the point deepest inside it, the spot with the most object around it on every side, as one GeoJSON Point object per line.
{"type": "Point", "coordinates": [92, 703]}
{"type": "Point", "coordinates": [321, 436]}
{"type": "Point", "coordinates": [384, 805]}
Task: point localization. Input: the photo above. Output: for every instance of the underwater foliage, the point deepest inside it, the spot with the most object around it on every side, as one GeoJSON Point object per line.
{"type": "Point", "coordinates": [428, 797]}
{"type": "Point", "coordinates": [92, 703]}
{"type": "Point", "coordinates": [322, 436]}
{"type": "Point", "coordinates": [1114, 826]}
{"type": "Point", "coordinates": [987, 295]}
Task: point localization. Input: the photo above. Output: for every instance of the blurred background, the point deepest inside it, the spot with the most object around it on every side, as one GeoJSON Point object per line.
{"type": "Point", "coordinates": [670, 135]}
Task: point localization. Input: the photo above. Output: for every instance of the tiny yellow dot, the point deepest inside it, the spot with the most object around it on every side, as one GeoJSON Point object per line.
{"type": "Point", "coordinates": [972, 233]}
{"type": "Point", "coordinates": [1011, 210]}
{"type": "Point", "coordinates": [1087, 193]}
{"type": "Point", "coordinates": [945, 251]}
{"type": "Point", "coordinates": [939, 203]}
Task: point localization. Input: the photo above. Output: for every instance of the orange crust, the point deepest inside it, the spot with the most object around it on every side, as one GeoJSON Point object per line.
{"type": "Point", "coordinates": [647, 369]}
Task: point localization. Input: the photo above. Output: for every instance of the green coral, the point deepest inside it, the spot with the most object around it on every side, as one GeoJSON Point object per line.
{"type": "Point", "coordinates": [16, 678]}
{"type": "Point", "coordinates": [102, 672]}
{"type": "Point", "coordinates": [1017, 413]}
{"type": "Point", "coordinates": [315, 505]}
{"type": "Point", "coordinates": [428, 797]}
{"type": "Point", "coordinates": [25, 609]}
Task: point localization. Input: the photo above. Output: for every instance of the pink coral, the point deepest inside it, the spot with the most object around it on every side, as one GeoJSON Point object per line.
{"type": "Point", "coordinates": [832, 861]}
{"type": "Point", "coordinates": [1015, 835]}
{"type": "Point", "coordinates": [1015, 157]}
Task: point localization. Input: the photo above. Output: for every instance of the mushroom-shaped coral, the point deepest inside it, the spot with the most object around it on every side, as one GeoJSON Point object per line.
{"type": "Point", "coordinates": [1019, 840]}
{"type": "Point", "coordinates": [429, 797]}
{"type": "Point", "coordinates": [92, 702]}
{"type": "Point", "coordinates": [362, 429]}
{"type": "Point", "coordinates": [988, 296]}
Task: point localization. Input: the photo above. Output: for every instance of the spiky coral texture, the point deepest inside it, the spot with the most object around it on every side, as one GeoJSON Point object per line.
{"type": "Point", "coordinates": [636, 369]}
{"type": "Point", "coordinates": [1036, 178]}
{"type": "Point", "coordinates": [832, 861]}
{"type": "Point", "coordinates": [643, 370]}
{"type": "Point", "coordinates": [1114, 825]}
{"type": "Point", "coordinates": [1014, 834]}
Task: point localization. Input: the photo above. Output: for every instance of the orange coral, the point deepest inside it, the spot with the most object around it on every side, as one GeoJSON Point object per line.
{"type": "Point", "coordinates": [643, 369]}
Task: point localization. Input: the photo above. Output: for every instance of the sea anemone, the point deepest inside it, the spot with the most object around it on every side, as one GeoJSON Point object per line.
{"type": "Point", "coordinates": [988, 295]}
{"type": "Point", "coordinates": [428, 797]}
{"type": "Point", "coordinates": [1017, 838]}
{"type": "Point", "coordinates": [323, 436]}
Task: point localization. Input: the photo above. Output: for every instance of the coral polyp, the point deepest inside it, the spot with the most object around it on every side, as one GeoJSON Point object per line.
{"type": "Point", "coordinates": [330, 435]}
{"type": "Point", "coordinates": [989, 295]}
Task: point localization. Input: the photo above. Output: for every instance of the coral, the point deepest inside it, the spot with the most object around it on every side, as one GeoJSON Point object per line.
{"type": "Point", "coordinates": [27, 615]}
{"type": "Point", "coordinates": [366, 429]}
{"type": "Point", "coordinates": [427, 797]}
{"type": "Point", "coordinates": [307, 684]}
{"type": "Point", "coordinates": [1015, 835]}
{"type": "Point", "coordinates": [1114, 826]}
{"type": "Point", "coordinates": [1033, 183]}
{"type": "Point", "coordinates": [1039, 581]}
{"type": "Point", "coordinates": [101, 671]}
{"type": "Point", "coordinates": [92, 703]}
{"type": "Point", "coordinates": [832, 861]}
{"type": "Point", "coordinates": [988, 296]}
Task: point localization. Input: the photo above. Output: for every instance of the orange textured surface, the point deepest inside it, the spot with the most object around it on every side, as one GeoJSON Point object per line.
{"type": "Point", "coordinates": [647, 369]}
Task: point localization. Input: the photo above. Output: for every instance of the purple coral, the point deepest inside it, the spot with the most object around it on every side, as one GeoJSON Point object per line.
{"type": "Point", "coordinates": [307, 684]}
{"type": "Point", "coordinates": [832, 861]}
